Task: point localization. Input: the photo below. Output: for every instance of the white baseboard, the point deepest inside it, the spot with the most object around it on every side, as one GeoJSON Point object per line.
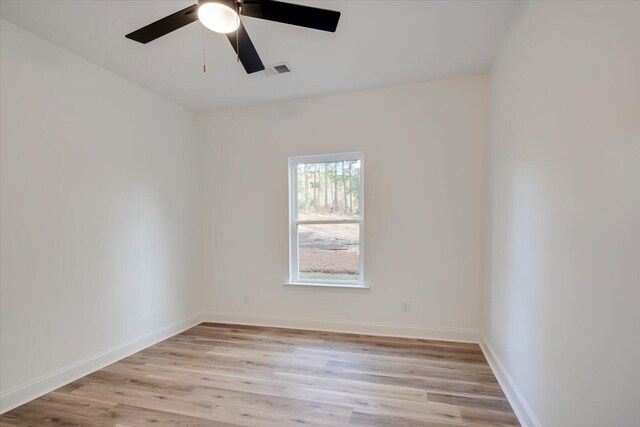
{"type": "Point", "coordinates": [35, 388]}
{"type": "Point", "coordinates": [518, 403]}
{"type": "Point", "coordinates": [347, 326]}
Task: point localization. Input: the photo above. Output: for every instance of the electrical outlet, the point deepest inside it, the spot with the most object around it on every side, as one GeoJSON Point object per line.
{"type": "Point", "coordinates": [405, 306]}
{"type": "Point", "coordinates": [245, 299]}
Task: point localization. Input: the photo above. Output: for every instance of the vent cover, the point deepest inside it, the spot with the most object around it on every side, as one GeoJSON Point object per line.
{"type": "Point", "coordinates": [282, 68]}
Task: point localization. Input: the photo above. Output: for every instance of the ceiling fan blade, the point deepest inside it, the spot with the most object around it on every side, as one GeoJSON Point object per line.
{"type": "Point", "coordinates": [248, 54]}
{"type": "Point", "coordinates": [293, 14]}
{"type": "Point", "coordinates": [165, 25]}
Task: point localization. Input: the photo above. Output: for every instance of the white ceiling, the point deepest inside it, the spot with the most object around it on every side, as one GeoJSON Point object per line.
{"type": "Point", "coordinates": [378, 43]}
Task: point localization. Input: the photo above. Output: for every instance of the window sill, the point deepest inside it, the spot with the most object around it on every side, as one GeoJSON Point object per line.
{"type": "Point", "coordinates": [327, 286]}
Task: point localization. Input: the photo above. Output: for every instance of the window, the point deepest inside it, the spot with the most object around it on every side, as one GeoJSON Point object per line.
{"type": "Point", "coordinates": [326, 218]}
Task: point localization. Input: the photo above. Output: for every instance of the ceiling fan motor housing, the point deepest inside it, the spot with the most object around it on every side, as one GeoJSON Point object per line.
{"type": "Point", "coordinates": [252, 7]}
{"type": "Point", "coordinates": [229, 3]}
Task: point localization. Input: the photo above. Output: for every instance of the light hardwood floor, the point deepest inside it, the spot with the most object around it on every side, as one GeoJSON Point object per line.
{"type": "Point", "coordinates": [225, 375]}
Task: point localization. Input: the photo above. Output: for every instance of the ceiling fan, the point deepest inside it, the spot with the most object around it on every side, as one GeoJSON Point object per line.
{"type": "Point", "coordinates": [223, 16]}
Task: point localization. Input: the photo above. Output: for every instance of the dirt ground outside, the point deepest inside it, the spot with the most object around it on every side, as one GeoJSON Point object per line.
{"type": "Point", "coordinates": [329, 250]}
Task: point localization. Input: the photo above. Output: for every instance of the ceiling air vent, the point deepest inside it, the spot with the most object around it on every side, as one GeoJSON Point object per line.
{"type": "Point", "coordinates": [271, 70]}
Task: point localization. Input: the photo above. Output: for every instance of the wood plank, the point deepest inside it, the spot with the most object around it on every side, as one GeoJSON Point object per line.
{"type": "Point", "coordinates": [384, 420]}
{"type": "Point", "coordinates": [351, 386]}
{"type": "Point", "coordinates": [379, 405]}
{"type": "Point", "coordinates": [132, 416]}
{"type": "Point", "coordinates": [481, 402]}
{"type": "Point", "coordinates": [432, 384]}
{"type": "Point", "coordinates": [327, 412]}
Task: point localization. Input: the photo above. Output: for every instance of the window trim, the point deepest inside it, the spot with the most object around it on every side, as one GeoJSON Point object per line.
{"type": "Point", "coordinates": [293, 222]}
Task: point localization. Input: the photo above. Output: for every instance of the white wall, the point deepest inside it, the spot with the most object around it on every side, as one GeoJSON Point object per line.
{"type": "Point", "coordinates": [99, 212]}
{"type": "Point", "coordinates": [426, 156]}
{"type": "Point", "coordinates": [564, 295]}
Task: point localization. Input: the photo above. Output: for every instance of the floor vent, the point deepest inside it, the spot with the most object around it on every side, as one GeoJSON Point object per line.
{"type": "Point", "coordinates": [271, 70]}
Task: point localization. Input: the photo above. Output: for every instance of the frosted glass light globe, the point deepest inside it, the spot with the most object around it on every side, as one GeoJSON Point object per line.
{"type": "Point", "coordinates": [218, 17]}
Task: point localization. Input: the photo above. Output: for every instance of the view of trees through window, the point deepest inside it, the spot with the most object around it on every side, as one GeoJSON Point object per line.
{"type": "Point", "coordinates": [328, 194]}
{"type": "Point", "coordinates": [329, 190]}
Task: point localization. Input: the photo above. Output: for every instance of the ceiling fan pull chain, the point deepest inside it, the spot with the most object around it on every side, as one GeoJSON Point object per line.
{"type": "Point", "coordinates": [204, 59]}
{"type": "Point", "coordinates": [238, 32]}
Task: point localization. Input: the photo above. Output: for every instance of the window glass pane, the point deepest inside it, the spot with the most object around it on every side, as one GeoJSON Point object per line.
{"type": "Point", "coordinates": [329, 190]}
{"type": "Point", "coordinates": [329, 251]}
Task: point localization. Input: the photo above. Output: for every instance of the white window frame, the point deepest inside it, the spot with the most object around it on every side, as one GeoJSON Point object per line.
{"type": "Point", "coordinates": [294, 222]}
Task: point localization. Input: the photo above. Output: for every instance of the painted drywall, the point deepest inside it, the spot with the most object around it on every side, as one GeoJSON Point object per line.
{"type": "Point", "coordinates": [564, 294]}
{"type": "Point", "coordinates": [99, 211]}
{"type": "Point", "coordinates": [426, 156]}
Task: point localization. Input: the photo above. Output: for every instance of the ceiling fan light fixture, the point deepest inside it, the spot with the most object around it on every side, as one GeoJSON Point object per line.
{"type": "Point", "coordinates": [218, 17]}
